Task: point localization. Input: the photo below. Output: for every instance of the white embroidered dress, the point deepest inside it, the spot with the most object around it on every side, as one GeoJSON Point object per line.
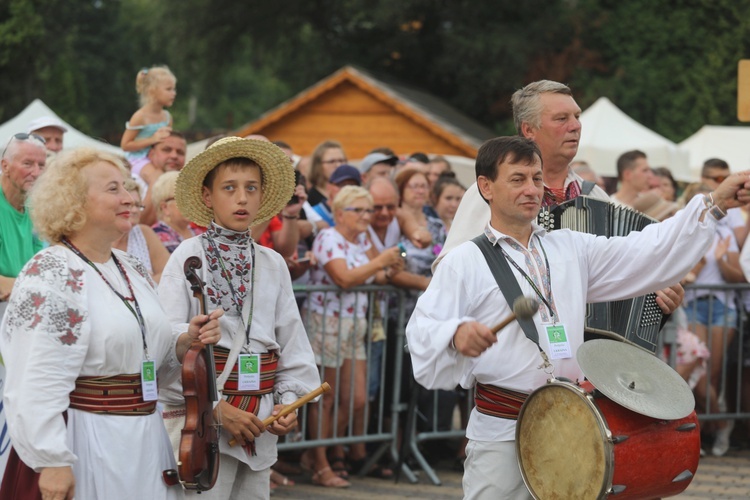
{"type": "Point", "coordinates": [64, 322]}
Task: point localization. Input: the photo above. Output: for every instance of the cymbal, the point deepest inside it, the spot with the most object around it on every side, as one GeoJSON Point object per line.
{"type": "Point", "coordinates": [635, 379]}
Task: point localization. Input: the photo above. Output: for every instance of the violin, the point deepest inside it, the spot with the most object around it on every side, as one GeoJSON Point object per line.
{"type": "Point", "coordinates": [198, 463]}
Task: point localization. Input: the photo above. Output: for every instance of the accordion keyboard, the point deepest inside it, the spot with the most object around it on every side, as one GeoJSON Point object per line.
{"type": "Point", "coordinates": [637, 320]}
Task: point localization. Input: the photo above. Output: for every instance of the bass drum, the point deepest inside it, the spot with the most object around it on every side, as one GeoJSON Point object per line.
{"type": "Point", "coordinates": [573, 442]}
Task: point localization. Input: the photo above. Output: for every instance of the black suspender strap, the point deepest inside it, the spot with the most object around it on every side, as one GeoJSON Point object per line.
{"type": "Point", "coordinates": [506, 281]}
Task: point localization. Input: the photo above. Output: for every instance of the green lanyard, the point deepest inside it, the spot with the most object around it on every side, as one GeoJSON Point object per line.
{"type": "Point", "coordinates": [227, 276]}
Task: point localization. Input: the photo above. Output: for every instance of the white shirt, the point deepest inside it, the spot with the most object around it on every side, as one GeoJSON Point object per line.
{"type": "Point", "coordinates": [64, 322]}
{"type": "Point", "coordinates": [583, 268]}
{"type": "Point", "coordinates": [310, 213]}
{"type": "Point", "coordinates": [276, 325]}
{"type": "Point", "coordinates": [711, 273]}
{"type": "Point", "coordinates": [392, 236]}
{"type": "Point", "coordinates": [473, 212]}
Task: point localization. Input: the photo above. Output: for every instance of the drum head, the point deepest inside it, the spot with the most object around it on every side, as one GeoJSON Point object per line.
{"type": "Point", "coordinates": [635, 379]}
{"type": "Point", "coordinates": [562, 445]}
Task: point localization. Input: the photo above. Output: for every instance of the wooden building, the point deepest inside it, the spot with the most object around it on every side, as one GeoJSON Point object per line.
{"type": "Point", "coordinates": [364, 112]}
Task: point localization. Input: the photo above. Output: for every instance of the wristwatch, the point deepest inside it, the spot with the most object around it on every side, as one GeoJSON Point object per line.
{"type": "Point", "coordinates": [713, 209]}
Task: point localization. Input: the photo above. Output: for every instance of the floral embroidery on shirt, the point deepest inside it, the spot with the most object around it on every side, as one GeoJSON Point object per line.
{"type": "Point", "coordinates": [39, 304]}
{"type": "Point", "coordinates": [136, 264]}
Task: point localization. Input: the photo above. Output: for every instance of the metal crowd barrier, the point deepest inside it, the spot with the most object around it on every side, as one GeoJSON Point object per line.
{"type": "Point", "coordinates": [400, 432]}
{"type": "Point", "coordinates": [382, 425]}
{"type": "Point", "coordinates": [734, 374]}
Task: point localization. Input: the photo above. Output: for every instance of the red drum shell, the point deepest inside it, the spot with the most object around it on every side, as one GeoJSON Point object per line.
{"type": "Point", "coordinates": [575, 443]}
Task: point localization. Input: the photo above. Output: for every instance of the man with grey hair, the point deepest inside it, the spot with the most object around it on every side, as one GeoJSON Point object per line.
{"type": "Point", "coordinates": [22, 162]}
{"type": "Point", "coordinates": [545, 112]}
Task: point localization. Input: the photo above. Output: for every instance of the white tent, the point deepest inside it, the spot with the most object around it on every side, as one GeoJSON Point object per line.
{"type": "Point", "coordinates": [731, 144]}
{"type": "Point", "coordinates": [72, 138]}
{"type": "Point", "coordinates": [608, 132]}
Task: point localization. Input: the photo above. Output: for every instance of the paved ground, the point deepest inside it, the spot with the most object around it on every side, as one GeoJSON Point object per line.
{"type": "Point", "coordinates": [717, 477]}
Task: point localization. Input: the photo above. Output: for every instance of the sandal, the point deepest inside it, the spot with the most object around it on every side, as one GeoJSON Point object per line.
{"type": "Point", "coordinates": [280, 479]}
{"type": "Point", "coordinates": [306, 462]}
{"type": "Point", "coordinates": [287, 468]}
{"type": "Point", "coordinates": [333, 480]}
{"type": "Point", "coordinates": [339, 467]}
{"type": "Point", "coordinates": [377, 470]}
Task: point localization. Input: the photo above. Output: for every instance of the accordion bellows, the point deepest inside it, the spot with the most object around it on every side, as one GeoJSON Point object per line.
{"type": "Point", "coordinates": [636, 320]}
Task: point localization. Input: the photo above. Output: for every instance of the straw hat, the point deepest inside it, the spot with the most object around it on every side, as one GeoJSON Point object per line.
{"type": "Point", "coordinates": [276, 169]}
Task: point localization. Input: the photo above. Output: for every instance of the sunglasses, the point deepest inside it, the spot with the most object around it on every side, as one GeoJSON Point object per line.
{"type": "Point", "coordinates": [718, 178]}
{"type": "Point", "coordinates": [23, 136]}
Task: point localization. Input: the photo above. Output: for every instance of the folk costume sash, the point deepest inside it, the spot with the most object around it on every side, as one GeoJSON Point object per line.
{"type": "Point", "coordinates": [498, 401]}
{"type": "Point", "coordinates": [248, 401]}
{"type": "Point", "coordinates": [113, 395]}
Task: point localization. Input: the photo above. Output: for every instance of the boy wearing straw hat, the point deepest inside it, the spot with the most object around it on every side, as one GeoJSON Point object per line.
{"type": "Point", "coordinates": [234, 184]}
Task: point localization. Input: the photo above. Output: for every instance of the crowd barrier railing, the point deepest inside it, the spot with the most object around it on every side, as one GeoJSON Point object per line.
{"type": "Point", "coordinates": [372, 417]}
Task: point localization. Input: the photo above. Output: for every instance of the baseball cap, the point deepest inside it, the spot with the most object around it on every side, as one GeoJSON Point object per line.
{"type": "Point", "coordinates": [373, 158]}
{"type": "Point", "coordinates": [345, 173]}
{"type": "Point", "coordinates": [46, 121]}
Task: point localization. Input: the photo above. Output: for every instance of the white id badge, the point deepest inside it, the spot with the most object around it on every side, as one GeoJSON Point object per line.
{"type": "Point", "coordinates": [559, 346]}
{"type": "Point", "coordinates": [148, 381]}
{"type": "Point", "coordinates": [248, 368]}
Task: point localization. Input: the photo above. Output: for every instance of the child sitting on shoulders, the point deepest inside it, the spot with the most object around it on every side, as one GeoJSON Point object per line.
{"type": "Point", "coordinates": [152, 123]}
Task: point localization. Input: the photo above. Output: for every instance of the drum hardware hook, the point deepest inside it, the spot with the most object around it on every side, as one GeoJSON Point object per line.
{"type": "Point", "coordinates": [686, 427]}
{"type": "Point", "coordinates": [683, 476]}
{"type": "Point", "coordinates": [617, 488]}
{"type": "Point", "coordinates": [563, 379]}
{"type": "Point", "coordinates": [619, 439]}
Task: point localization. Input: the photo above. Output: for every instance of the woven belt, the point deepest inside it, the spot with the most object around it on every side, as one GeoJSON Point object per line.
{"type": "Point", "coordinates": [113, 395]}
{"type": "Point", "coordinates": [498, 402]}
{"type": "Point", "coordinates": [248, 401]}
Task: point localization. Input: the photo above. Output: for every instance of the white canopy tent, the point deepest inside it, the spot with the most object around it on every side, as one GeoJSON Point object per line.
{"type": "Point", "coordinates": [608, 132]}
{"type": "Point", "coordinates": [731, 144]}
{"type": "Point", "coordinates": [72, 139]}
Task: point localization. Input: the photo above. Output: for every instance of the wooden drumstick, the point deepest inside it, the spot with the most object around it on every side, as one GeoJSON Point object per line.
{"type": "Point", "coordinates": [523, 308]}
{"type": "Point", "coordinates": [290, 408]}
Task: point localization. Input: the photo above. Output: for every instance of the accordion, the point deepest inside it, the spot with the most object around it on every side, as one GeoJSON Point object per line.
{"type": "Point", "coordinates": [636, 320]}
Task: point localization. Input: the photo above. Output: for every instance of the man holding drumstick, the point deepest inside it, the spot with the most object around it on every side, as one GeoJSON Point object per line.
{"type": "Point", "coordinates": [449, 333]}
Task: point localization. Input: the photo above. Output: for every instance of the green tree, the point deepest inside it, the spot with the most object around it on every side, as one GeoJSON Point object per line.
{"type": "Point", "coordinates": [670, 65]}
